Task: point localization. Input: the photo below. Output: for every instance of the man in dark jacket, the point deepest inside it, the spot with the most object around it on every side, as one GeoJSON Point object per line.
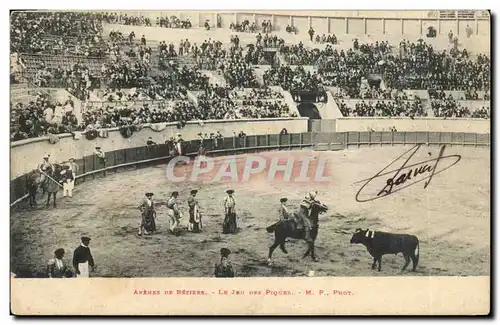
{"type": "Point", "coordinates": [224, 269]}
{"type": "Point", "coordinates": [82, 259]}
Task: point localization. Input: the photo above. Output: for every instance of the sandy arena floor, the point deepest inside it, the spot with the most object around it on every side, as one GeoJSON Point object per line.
{"type": "Point", "coordinates": [451, 217]}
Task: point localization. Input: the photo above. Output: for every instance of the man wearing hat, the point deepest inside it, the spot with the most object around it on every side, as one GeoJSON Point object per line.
{"type": "Point", "coordinates": [73, 167]}
{"type": "Point", "coordinates": [45, 164]}
{"type": "Point", "coordinates": [68, 181]}
{"type": "Point", "coordinates": [194, 212]}
{"type": "Point", "coordinates": [150, 142]}
{"type": "Point", "coordinates": [173, 211]}
{"type": "Point", "coordinates": [303, 214]}
{"type": "Point", "coordinates": [179, 144]}
{"type": "Point", "coordinates": [148, 215]}
{"type": "Point", "coordinates": [82, 259]}
{"type": "Point", "coordinates": [101, 155]}
{"type": "Point", "coordinates": [283, 213]}
{"type": "Point", "coordinates": [224, 269]}
{"type": "Point", "coordinates": [56, 267]}
{"type": "Point", "coordinates": [229, 225]}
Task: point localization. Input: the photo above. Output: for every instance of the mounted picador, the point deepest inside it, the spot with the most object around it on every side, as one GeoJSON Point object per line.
{"type": "Point", "coordinates": [302, 224]}
{"type": "Point", "coordinates": [380, 243]}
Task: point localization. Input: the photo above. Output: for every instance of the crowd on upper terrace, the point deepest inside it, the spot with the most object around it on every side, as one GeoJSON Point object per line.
{"type": "Point", "coordinates": [68, 33]}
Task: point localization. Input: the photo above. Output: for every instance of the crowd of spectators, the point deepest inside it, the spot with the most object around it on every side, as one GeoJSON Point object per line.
{"type": "Point", "coordinates": [482, 112]}
{"type": "Point", "coordinates": [418, 66]}
{"type": "Point", "coordinates": [331, 39]}
{"type": "Point", "coordinates": [473, 95]}
{"type": "Point", "coordinates": [173, 22]}
{"type": "Point", "coordinates": [261, 93]}
{"type": "Point", "coordinates": [125, 74]}
{"type": "Point", "coordinates": [77, 80]}
{"type": "Point", "coordinates": [346, 69]}
{"type": "Point", "coordinates": [70, 33]}
{"type": "Point", "coordinates": [40, 117]}
{"type": "Point", "coordinates": [294, 79]}
{"type": "Point", "coordinates": [449, 108]}
{"type": "Point", "coordinates": [238, 73]}
{"type": "Point", "coordinates": [300, 55]}
{"type": "Point", "coordinates": [387, 108]}
{"type": "Point", "coordinates": [272, 41]}
{"type": "Point", "coordinates": [244, 26]}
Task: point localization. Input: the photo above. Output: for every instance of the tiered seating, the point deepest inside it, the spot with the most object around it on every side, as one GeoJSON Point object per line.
{"type": "Point", "coordinates": [184, 78]}
{"type": "Point", "coordinates": [35, 62]}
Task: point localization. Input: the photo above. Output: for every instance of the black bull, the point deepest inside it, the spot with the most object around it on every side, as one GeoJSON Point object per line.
{"type": "Point", "coordinates": [288, 229]}
{"type": "Point", "coordinates": [379, 243]}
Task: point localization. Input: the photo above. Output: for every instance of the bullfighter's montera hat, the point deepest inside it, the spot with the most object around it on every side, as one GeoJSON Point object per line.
{"type": "Point", "coordinates": [149, 194]}
{"type": "Point", "coordinates": [224, 252]}
{"type": "Point", "coordinates": [284, 199]}
{"type": "Point", "coordinates": [194, 191]}
{"type": "Point", "coordinates": [59, 251]}
{"type": "Point", "coordinates": [230, 191]}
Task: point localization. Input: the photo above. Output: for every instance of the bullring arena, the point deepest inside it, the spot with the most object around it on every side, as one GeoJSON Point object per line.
{"type": "Point", "coordinates": [451, 216]}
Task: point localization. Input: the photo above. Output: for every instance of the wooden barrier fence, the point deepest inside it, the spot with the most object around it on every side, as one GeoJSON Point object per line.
{"type": "Point", "coordinates": [126, 159]}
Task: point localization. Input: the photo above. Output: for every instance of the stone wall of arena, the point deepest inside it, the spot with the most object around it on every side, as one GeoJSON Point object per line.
{"type": "Point", "coordinates": [26, 154]}
{"type": "Point", "coordinates": [383, 25]}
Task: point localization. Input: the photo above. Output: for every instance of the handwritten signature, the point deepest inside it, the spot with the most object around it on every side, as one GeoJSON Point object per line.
{"type": "Point", "coordinates": [410, 176]}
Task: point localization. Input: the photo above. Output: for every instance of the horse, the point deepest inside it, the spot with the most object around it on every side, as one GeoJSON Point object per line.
{"type": "Point", "coordinates": [37, 179]}
{"type": "Point", "coordinates": [51, 184]}
{"type": "Point", "coordinates": [34, 180]}
{"type": "Point", "coordinates": [288, 229]}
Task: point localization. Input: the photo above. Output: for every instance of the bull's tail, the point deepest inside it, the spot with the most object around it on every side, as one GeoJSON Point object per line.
{"type": "Point", "coordinates": [272, 227]}
{"type": "Point", "coordinates": [417, 253]}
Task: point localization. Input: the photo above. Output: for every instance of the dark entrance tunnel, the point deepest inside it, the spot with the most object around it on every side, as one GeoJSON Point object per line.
{"type": "Point", "coordinates": [309, 110]}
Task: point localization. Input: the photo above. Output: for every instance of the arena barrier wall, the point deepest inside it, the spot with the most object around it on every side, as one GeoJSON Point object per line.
{"type": "Point", "coordinates": [135, 157]}
{"type": "Point", "coordinates": [32, 150]}
{"type": "Point", "coordinates": [407, 124]}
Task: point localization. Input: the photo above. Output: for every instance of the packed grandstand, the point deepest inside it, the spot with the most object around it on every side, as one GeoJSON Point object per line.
{"type": "Point", "coordinates": [68, 74]}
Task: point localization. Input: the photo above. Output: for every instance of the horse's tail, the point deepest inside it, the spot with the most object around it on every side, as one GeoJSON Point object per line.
{"type": "Point", "coordinates": [272, 227]}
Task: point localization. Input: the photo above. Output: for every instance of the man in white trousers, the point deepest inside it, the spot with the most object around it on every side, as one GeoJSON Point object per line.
{"type": "Point", "coordinates": [69, 184]}
{"type": "Point", "coordinates": [82, 259]}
